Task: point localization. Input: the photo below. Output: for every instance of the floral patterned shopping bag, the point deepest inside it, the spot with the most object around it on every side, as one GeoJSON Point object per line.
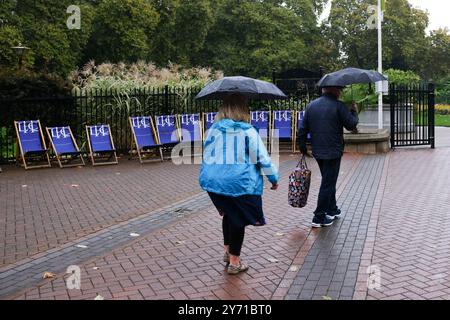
{"type": "Point", "coordinates": [299, 182]}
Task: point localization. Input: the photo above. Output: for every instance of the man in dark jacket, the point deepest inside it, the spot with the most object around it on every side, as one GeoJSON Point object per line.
{"type": "Point", "coordinates": [325, 119]}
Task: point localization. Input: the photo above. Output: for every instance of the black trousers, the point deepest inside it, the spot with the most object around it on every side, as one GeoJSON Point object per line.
{"type": "Point", "coordinates": [327, 195]}
{"type": "Point", "coordinates": [232, 236]}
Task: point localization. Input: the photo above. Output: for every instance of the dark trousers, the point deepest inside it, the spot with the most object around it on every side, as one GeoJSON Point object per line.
{"type": "Point", "coordinates": [327, 195]}
{"type": "Point", "coordinates": [232, 236]}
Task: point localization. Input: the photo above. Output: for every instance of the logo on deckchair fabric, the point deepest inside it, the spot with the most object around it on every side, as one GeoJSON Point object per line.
{"type": "Point", "coordinates": [97, 131]}
{"type": "Point", "coordinates": [282, 115]}
{"type": "Point", "coordinates": [301, 115]}
{"type": "Point", "coordinates": [141, 122]}
{"type": "Point", "coordinates": [258, 116]}
{"type": "Point", "coordinates": [188, 119]}
{"type": "Point", "coordinates": [165, 121]}
{"type": "Point", "coordinates": [28, 127]}
{"type": "Point", "coordinates": [59, 133]}
{"type": "Point", "coordinates": [210, 117]}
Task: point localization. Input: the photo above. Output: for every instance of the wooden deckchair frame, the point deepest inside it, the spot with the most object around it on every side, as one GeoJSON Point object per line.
{"type": "Point", "coordinates": [292, 128]}
{"type": "Point", "coordinates": [200, 128]}
{"type": "Point", "coordinates": [268, 141]}
{"type": "Point", "coordinates": [23, 155]}
{"type": "Point", "coordinates": [204, 124]}
{"type": "Point", "coordinates": [140, 151]}
{"type": "Point", "coordinates": [296, 149]}
{"type": "Point", "coordinates": [177, 134]}
{"type": "Point", "coordinates": [73, 156]}
{"type": "Point", "coordinates": [91, 152]}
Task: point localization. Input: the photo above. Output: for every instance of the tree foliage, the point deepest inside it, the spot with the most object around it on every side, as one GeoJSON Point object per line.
{"type": "Point", "coordinates": [182, 30]}
{"type": "Point", "coordinates": [406, 46]}
{"type": "Point", "coordinates": [249, 37]}
{"type": "Point", "coordinates": [401, 77]}
{"type": "Point", "coordinates": [123, 30]}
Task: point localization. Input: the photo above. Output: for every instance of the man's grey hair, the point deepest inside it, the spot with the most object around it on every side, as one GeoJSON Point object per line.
{"type": "Point", "coordinates": [331, 89]}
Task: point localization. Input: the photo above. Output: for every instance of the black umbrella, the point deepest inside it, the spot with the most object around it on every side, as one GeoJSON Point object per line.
{"type": "Point", "coordinates": [349, 76]}
{"type": "Point", "coordinates": [250, 88]}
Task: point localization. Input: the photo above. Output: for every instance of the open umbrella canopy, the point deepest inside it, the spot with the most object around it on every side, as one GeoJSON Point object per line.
{"type": "Point", "coordinates": [349, 76]}
{"type": "Point", "coordinates": [251, 89]}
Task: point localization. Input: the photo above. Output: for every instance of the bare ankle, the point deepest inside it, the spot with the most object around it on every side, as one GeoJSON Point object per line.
{"type": "Point", "coordinates": [235, 260]}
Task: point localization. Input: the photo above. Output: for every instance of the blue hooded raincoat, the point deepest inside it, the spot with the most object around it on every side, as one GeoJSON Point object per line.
{"type": "Point", "coordinates": [235, 159]}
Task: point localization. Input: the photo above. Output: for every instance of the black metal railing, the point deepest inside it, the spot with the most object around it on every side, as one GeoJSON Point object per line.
{"type": "Point", "coordinates": [412, 110]}
{"type": "Point", "coordinates": [112, 107]}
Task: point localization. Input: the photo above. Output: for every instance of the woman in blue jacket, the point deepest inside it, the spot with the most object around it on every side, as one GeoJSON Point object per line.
{"type": "Point", "coordinates": [234, 162]}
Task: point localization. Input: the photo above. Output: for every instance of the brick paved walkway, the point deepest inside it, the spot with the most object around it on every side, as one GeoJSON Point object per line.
{"type": "Point", "coordinates": [163, 258]}
{"type": "Point", "coordinates": [411, 246]}
{"type": "Point", "coordinates": [395, 222]}
{"type": "Point", "coordinates": [331, 266]}
{"type": "Point", "coordinates": [43, 209]}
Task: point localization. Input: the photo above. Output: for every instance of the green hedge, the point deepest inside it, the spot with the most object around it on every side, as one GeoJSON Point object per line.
{"type": "Point", "coordinates": [25, 84]}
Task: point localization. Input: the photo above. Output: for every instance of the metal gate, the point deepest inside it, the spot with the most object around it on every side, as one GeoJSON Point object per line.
{"type": "Point", "coordinates": [412, 115]}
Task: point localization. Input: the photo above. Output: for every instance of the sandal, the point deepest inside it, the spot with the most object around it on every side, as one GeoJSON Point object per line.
{"type": "Point", "coordinates": [226, 257]}
{"type": "Point", "coordinates": [236, 269]}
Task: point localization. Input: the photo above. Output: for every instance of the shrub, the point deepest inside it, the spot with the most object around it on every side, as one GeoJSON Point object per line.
{"type": "Point", "coordinates": [442, 109]}
{"type": "Point", "coordinates": [25, 84]}
{"type": "Point", "coordinates": [141, 75]}
{"type": "Point", "coordinates": [401, 77]}
{"type": "Point", "coordinates": [362, 94]}
{"type": "Point", "coordinates": [443, 91]}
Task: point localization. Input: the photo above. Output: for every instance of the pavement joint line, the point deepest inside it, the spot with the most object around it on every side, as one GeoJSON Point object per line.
{"type": "Point", "coordinates": [311, 238]}
{"type": "Point", "coordinates": [73, 255]}
{"type": "Point", "coordinates": [370, 168]}
{"type": "Point", "coordinates": [368, 248]}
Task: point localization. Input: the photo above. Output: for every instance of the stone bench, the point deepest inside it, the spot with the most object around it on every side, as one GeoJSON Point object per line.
{"type": "Point", "coordinates": [367, 141]}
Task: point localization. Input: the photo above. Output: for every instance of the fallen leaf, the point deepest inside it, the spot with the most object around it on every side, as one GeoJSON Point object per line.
{"type": "Point", "coordinates": [99, 297]}
{"type": "Point", "coordinates": [293, 269]}
{"type": "Point", "coordinates": [133, 234]}
{"type": "Point", "coordinates": [327, 298]}
{"type": "Point", "coordinates": [272, 260]}
{"type": "Point", "coordinates": [279, 234]}
{"type": "Point", "coordinates": [82, 246]}
{"type": "Point", "coordinates": [48, 275]}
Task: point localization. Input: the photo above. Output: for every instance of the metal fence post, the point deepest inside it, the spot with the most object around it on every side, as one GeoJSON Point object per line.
{"type": "Point", "coordinates": [392, 92]}
{"type": "Point", "coordinates": [166, 99]}
{"type": "Point", "coordinates": [431, 115]}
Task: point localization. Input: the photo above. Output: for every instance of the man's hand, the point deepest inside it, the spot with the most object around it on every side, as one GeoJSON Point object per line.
{"type": "Point", "coordinates": [354, 107]}
{"type": "Point", "coordinates": [274, 186]}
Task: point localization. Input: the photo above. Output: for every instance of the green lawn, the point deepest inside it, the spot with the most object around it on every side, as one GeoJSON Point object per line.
{"type": "Point", "coordinates": [442, 120]}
